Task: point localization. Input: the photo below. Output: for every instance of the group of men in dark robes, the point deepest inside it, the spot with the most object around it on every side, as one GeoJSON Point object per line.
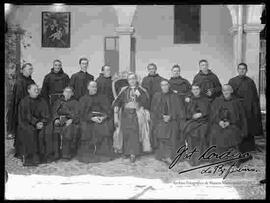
{"type": "Point", "coordinates": [96, 120]}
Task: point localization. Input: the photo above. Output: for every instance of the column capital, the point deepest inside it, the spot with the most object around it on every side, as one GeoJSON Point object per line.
{"type": "Point", "coordinates": [253, 28]}
{"type": "Point", "coordinates": [233, 30]}
{"type": "Point", "coordinates": [125, 30]}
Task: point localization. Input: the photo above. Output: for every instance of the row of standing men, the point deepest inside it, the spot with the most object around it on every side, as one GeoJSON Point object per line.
{"type": "Point", "coordinates": [74, 116]}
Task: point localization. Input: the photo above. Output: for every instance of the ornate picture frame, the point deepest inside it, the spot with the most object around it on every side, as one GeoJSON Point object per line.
{"type": "Point", "coordinates": [55, 29]}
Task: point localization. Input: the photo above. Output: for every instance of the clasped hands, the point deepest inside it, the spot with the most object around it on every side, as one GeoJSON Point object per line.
{"type": "Point", "coordinates": [166, 118]}
{"type": "Point", "coordinates": [98, 119]}
{"type": "Point", "coordinates": [196, 115]}
{"type": "Point", "coordinates": [224, 124]}
{"type": "Point", "coordinates": [67, 123]}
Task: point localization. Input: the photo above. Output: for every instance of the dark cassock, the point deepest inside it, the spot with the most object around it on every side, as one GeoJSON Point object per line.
{"type": "Point", "coordinates": [129, 101]}
{"type": "Point", "coordinates": [196, 128]}
{"type": "Point", "coordinates": [66, 136]}
{"type": "Point", "coordinates": [152, 84]}
{"type": "Point", "coordinates": [104, 85]}
{"type": "Point", "coordinates": [166, 136]}
{"type": "Point", "coordinates": [36, 145]}
{"type": "Point", "coordinates": [208, 81]}
{"type": "Point", "coordinates": [230, 111]}
{"type": "Point", "coordinates": [180, 86]}
{"type": "Point", "coordinates": [245, 89]}
{"type": "Point", "coordinates": [18, 93]}
{"type": "Point", "coordinates": [53, 85]}
{"type": "Point", "coordinates": [95, 142]}
{"type": "Point", "coordinates": [79, 82]}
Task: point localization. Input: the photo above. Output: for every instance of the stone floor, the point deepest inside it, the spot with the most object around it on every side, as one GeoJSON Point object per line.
{"type": "Point", "coordinates": [147, 168]}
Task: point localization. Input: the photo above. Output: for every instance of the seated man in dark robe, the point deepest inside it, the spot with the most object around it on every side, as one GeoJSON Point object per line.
{"type": "Point", "coordinates": [54, 83]}
{"type": "Point", "coordinates": [132, 101]}
{"type": "Point", "coordinates": [35, 129]}
{"type": "Point", "coordinates": [19, 91]}
{"type": "Point", "coordinates": [167, 112]}
{"type": "Point", "coordinates": [179, 85]}
{"type": "Point", "coordinates": [80, 80]}
{"type": "Point", "coordinates": [208, 81]}
{"type": "Point", "coordinates": [104, 83]}
{"type": "Point", "coordinates": [96, 125]}
{"type": "Point", "coordinates": [196, 126]}
{"type": "Point", "coordinates": [228, 124]}
{"type": "Point", "coordinates": [152, 81]}
{"type": "Point", "coordinates": [245, 89]}
{"type": "Point", "coordinates": [66, 124]}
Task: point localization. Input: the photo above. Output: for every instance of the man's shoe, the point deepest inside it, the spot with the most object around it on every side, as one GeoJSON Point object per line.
{"type": "Point", "coordinates": [132, 158]}
{"type": "Point", "coordinates": [18, 156]}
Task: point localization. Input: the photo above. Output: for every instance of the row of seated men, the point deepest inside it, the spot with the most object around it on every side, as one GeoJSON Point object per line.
{"type": "Point", "coordinates": [96, 120]}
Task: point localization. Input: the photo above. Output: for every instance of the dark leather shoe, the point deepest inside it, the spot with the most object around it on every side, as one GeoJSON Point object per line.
{"type": "Point", "coordinates": [132, 158]}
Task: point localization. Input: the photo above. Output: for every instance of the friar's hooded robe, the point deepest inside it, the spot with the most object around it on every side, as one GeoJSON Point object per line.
{"type": "Point", "coordinates": [79, 82]}
{"type": "Point", "coordinates": [96, 139]}
{"type": "Point", "coordinates": [180, 85]}
{"type": "Point", "coordinates": [208, 81]}
{"type": "Point", "coordinates": [34, 142]}
{"type": "Point", "coordinates": [66, 137]}
{"type": "Point", "coordinates": [104, 85]}
{"type": "Point", "coordinates": [245, 89]}
{"type": "Point", "coordinates": [54, 83]}
{"type": "Point", "coordinates": [230, 110]}
{"type": "Point", "coordinates": [166, 136]}
{"type": "Point", "coordinates": [18, 93]}
{"type": "Point", "coordinates": [195, 130]}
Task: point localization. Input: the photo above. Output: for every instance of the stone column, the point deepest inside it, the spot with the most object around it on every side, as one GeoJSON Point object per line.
{"type": "Point", "coordinates": [124, 34]}
{"type": "Point", "coordinates": [252, 29]}
{"type": "Point", "coordinates": [125, 30]}
{"type": "Point", "coordinates": [234, 32]}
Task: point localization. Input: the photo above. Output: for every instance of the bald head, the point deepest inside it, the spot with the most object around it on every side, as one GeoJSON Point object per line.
{"type": "Point", "coordinates": [227, 90]}
{"type": "Point", "coordinates": [33, 90]}
{"type": "Point", "coordinates": [92, 87]}
{"type": "Point", "coordinates": [164, 84]}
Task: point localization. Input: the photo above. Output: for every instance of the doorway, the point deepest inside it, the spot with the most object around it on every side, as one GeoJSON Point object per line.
{"type": "Point", "coordinates": [111, 53]}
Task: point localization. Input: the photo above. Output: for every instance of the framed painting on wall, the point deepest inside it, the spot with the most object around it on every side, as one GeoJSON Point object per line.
{"type": "Point", "coordinates": [55, 29]}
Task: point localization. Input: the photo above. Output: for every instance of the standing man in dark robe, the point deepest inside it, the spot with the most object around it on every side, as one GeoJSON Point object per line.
{"type": "Point", "coordinates": [80, 80]}
{"type": "Point", "coordinates": [179, 85]}
{"type": "Point", "coordinates": [96, 126]}
{"type": "Point", "coordinates": [104, 83]}
{"type": "Point", "coordinates": [228, 124]}
{"type": "Point", "coordinates": [19, 92]}
{"type": "Point", "coordinates": [34, 130]}
{"type": "Point", "coordinates": [245, 89]}
{"type": "Point", "coordinates": [152, 81]}
{"type": "Point", "coordinates": [54, 83]}
{"type": "Point", "coordinates": [66, 124]}
{"type": "Point", "coordinates": [208, 81]}
{"type": "Point", "coordinates": [167, 112]}
{"type": "Point", "coordinates": [131, 100]}
{"type": "Point", "coordinates": [196, 127]}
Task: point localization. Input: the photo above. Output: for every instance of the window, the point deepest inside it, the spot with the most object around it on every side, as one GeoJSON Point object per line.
{"type": "Point", "coordinates": [187, 24]}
